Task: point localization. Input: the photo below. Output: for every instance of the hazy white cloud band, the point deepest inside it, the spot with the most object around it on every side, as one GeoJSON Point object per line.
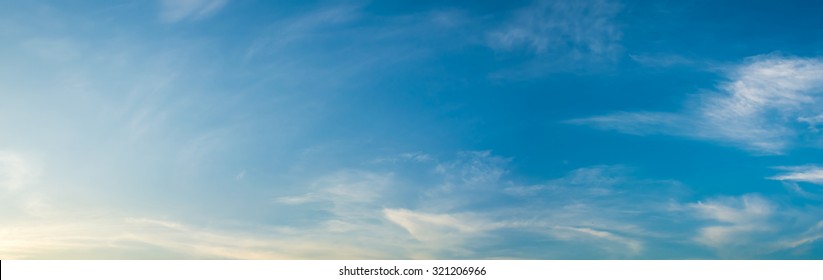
{"type": "Point", "coordinates": [768, 105]}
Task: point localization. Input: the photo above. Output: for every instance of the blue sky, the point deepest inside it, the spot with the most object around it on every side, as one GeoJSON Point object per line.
{"type": "Point", "coordinates": [215, 129]}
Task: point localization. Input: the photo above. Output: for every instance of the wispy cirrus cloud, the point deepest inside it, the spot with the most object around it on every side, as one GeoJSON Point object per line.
{"type": "Point", "coordinates": [807, 174]}
{"type": "Point", "coordinates": [440, 228]}
{"type": "Point", "coordinates": [146, 238]}
{"type": "Point", "coordinates": [180, 10]}
{"type": "Point", "coordinates": [562, 32]}
{"type": "Point", "coordinates": [590, 212]}
{"type": "Point", "coordinates": [293, 30]}
{"type": "Point", "coordinates": [741, 221]}
{"type": "Point", "coordinates": [446, 216]}
{"type": "Point", "coordinates": [811, 236]}
{"type": "Point", "coordinates": [794, 176]}
{"type": "Point", "coordinates": [763, 107]}
{"type": "Point", "coordinates": [602, 211]}
{"type": "Point", "coordinates": [346, 45]}
{"type": "Point", "coordinates": [753, 225]}
{"type": "Point", "coordinates": [632, 247]}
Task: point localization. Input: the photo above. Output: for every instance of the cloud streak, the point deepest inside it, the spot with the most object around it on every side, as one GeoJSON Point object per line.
{"type": "Point", "coordinates": [181, 10]}
{"type": "Point", "coordinates": [738, 218]}
{"type": "Point", "coordinates": [142, 238]}
{"type": "Point", "coordinates": [807, 174]}
{"type": "Point", "coordinates": [602, 210]}
{"type": "Point", "coordinates": [562, 30]}
{"type": "Point", "coordinates": [761, 108]}
{"type": "Point", "coordinates": [590, 212]}
{"type": "Point", "coordinates": [440, 228]}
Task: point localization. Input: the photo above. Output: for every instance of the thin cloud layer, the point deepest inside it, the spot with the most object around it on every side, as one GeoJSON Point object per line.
{"type": "Point", "coordinates": [591, 212]}
{"type": "Point", "coordinates": [807, 174]}
{"type": "Point", "coordinates": [769, 105]}
{"type": "Point", "coordinates": [352, 129]}
{"type": "Point", "coordinates": [738, 219]}
{"type": "Point", "coordinates": [793, 178]}
{"type": "Point", "coordinates": [600, 208]}
{"type": "Point", "coordinates": [181, 10]}
{"type": "Point", "coordinates": [578, 29]}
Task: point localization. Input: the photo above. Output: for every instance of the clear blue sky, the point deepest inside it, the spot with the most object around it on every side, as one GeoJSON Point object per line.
{"type": "Point", "coordinates": [411, 129]}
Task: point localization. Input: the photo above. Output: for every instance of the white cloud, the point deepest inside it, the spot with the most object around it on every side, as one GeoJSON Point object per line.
{"type": "Point", "coordinates": [579, 30]}
{"type": "Point", "coordinates": [629, 246]}
{"type": "Point", "coordinates": [795, 175]}
{"type": "Point", "coordinates": [437, 227]}
{"type": "Point", "coordinates": [741, 210]}
{"type": "Point", "coordinates": [739, 218]}
{"type": "Point", "coordinates": [342, 187]}
{"type": "Point", "coordinates": [179, 10]}
{"type": "Point", "coordinates": [797, 189]}
{"type": "Point", "coordinates": [588, 207]}
{"type": "Point", "coordinates": [629, 214]}
{"type": "Point", "coordinates": [601, 211]}
{"type": "Point", "coordinates": [758, 109]}
{"type": "Point", "coordinates": [598, 207]}
{"type": "Point", "coordinates": [295, 29]}
{"type": "Point", "coordinates": [298, 199]}
{"type": "Point", "coordinates": [348, 196]}
{"type": "Point", "coordinates": [809, 174]}
{"type": "Point", "coordinates": [405, 157]}
{"type": "Point", "coordinates": [811, 235]}
{"type": "Point", "coordinates": [350, 186]}
{"type": "Point", "coordinates": [601, 208]}
{"type": "Point", "coordinates": [812, 121]}
{"type": "Point", "coordinates": [471, 177]}
{"type": "Point", "coordinates": [473, 168]}
{"type": "Point", "coordinates": [590, 183]}
{"type": "Point", "coordinates": [637, 123]}
{"type": "Point", "coordinates": [88, 232]}
{"type": "Point", "coordinates": [593, 177]}
{"type": "Point", "coordinates": [419, 157]}
{"type": "Point", "coordinates": [143, 238]}
{"type": "Point", "coordinates": [355, 187]}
